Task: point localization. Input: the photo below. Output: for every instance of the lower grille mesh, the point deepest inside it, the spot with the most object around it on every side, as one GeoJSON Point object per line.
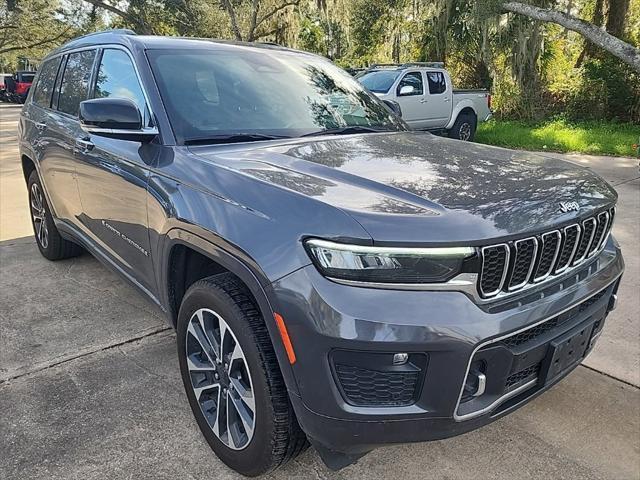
{"type": "Point", "coordinates": [526, 374]}
{"type": "Point", "coordinates": [369, 388]}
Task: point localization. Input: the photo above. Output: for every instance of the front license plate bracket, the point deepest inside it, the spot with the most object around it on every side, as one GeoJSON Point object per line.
{"type": "Point", "coordinates": [567, 350]}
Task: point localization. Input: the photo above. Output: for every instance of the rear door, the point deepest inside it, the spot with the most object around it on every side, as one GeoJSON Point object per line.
{"type": "Point", "coordinates": [58, 127]}
{"type": "Point", "coordinates": [113, 175]}
{"type": "Point", "coordinates": [438, 99]}
{"type": "Point", "coordinates": [413, 103]}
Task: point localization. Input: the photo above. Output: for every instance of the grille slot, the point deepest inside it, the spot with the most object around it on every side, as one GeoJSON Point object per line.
{"type": "Point", "coordinates": [548, 254]}
{"type": "Point", "coordinates": [603, 221]}
{"type": "Point", "coordinates": [588, 230]}
{"type": "Point", "coordinates": [495, 260]}
{"type": "Point", "coordinates": [568, 249]}
{"type": "Point", "coordinates": [533, 259]}
{"type": "Point", "coordinates": [523, 262]}
{"type": "Point", "coordinates": [371, 388]}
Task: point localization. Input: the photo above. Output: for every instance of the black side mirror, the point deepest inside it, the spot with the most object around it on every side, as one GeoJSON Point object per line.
{"type": "Point", "coordinates": [114, 118]}
{"type": "Point", "coordinates": [394, 107]}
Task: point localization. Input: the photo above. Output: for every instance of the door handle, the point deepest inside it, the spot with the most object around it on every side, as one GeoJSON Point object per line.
{"type": "Point", "coordinates": [83, 145]}
{"type": "Point", "coordinates": [41, 126]}
{"type": "Point", "coordinates": [446, 99]}
{"type": "Point", "coordinates": [423, 100]}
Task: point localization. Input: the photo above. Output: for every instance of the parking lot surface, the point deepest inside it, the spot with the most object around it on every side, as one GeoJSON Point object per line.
{"type": "Point", "coordinates": [90, 387]}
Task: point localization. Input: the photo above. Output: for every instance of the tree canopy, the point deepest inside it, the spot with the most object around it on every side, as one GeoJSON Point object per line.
{"type": "Point", "coordinates": [577, 58]}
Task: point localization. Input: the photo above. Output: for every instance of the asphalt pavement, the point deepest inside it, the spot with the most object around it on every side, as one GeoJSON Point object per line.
{"type": "Point", "coordinates": [90, 387]}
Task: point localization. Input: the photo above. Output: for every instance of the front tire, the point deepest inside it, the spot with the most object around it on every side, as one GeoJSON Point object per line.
{"type": "Point", "coordinates": [232, 378]}
{"type": "Point", "coordinates": [464, 127]}
{"type": "Point", "coordinates": [50, 243]}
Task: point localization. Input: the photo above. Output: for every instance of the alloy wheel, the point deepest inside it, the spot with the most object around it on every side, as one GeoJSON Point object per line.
{"type": "Point", "coordinates": [465, 131]}
{"type": "Point", "coordinates": [220, 379]}
{"type": "Point", "coordinates": [38, 213]}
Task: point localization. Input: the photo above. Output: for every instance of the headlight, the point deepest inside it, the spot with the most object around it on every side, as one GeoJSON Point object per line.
{"type": "Point", "coordinates": [387, 264]}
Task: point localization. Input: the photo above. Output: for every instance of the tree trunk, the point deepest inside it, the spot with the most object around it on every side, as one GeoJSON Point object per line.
{"type": "Point", "coordinates": [622, 50]}
{"type": "Point", "coordinates": [617, 17]}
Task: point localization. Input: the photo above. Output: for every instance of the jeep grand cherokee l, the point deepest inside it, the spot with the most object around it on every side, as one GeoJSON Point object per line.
{"type": "Point", "coordinates": [332, 277]}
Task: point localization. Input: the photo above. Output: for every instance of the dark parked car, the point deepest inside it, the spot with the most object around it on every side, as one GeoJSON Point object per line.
{"type": "Point", "coordinates": [331, 276]}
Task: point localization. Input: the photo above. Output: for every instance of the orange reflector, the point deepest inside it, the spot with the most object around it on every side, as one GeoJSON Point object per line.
{"type": "Point", "coordinates": [285, 338]}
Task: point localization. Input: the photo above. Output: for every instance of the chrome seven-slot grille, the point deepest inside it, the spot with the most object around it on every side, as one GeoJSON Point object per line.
{"type": "Point", "coordinates": [508, 267]}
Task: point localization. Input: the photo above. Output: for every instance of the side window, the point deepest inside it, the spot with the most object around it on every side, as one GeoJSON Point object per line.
{"type": "Point", "coordinates": [75, 81]}
{"type": "Point", "coordinates": [117, 78]}
{"type": "Point", "coordinates": [437, 83]}
{"type": "Point", "coordinates": [46, 80]}
{"type": "Point", "coordinates": [413, 79]}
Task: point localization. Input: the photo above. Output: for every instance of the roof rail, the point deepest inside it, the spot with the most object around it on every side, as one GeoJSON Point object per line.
{"type": "Point", "coordinates": [120, 31]}
{"type": "Point", "coordinates": [424, 64]}
{"type": "Point", "coordinates": [406, 65]}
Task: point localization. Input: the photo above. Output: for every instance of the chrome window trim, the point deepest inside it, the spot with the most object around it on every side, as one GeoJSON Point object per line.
{"type": "Point", "coordinates": [502, 399]}
{"type": "Point", "coordinates": [513, 288]}
{"type": "Point", "coordinates": [578, 261]}
{"type": "Point", "coordinates": [555, 255]}
{"type": "Point", "coordinates": [557, 270]}
{"type": "Point", "coordinates": [100, 48]}
{"type": "Point", "coordinates": [504, 271]}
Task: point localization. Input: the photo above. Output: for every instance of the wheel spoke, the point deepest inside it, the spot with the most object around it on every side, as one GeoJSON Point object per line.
{"type": "Point", "coordinates": [199, 390]}
{"type": "Point", "coordinates": [44, 235]}
{"type": "Point", "coordinates": [243, 393]}
{"type": "Point", "coordinates": [216, 424]}
{"type": "Point", "coordinates": [223, 335]}
{"type": "Point", "coordinates": [198, 334]}
{"type": "Point", "coordinates": [211, 340]}
{"type": "Point", "coordinates": [246, 415]}
{"type": "Point", "coordinates": [236, 354]}
{"type": "Point", "coordinates": [196, 365]}
{"type": "Point", "coordinates": [221, 415]}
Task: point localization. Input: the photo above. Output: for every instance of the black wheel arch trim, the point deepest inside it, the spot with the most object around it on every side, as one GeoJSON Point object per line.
{"type": "Point", "coordinates": [180, 236]}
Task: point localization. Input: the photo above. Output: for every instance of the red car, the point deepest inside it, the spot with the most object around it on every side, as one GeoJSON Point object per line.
{"type": "Point", "coordinates": [17, 87]}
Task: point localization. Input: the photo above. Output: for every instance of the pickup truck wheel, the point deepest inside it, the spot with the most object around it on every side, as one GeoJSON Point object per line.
{"type": "Point", "coordinates": [232, 378]}
{"type": "Point", "coordinates": [464, 128]}
{"type": "Point", "coordinates": [50, 243]}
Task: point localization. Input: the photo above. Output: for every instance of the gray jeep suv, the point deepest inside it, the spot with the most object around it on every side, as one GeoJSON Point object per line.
{"type": "Point", "coordinates": [332, 277]}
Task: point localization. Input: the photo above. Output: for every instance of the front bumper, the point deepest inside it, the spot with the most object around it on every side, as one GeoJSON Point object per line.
{"type": "Point", "coordinates": [444, 329]}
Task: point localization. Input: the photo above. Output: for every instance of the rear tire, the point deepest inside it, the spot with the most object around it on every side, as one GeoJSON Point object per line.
{"type": "Point", "coordinates": [464, 127]}
{"type": "Point", "coordinates": [254, 436]}
{"type": "Point", "coordinates": [50, 243]}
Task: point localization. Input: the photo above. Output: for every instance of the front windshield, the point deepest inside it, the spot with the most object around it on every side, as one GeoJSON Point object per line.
{"type": "Point", "coordinates": [237, 90]}
{"type": "Point", "coordinates": [379, 81]}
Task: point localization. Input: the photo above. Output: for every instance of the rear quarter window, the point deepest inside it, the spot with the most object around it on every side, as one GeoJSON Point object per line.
{"type": "Point", "coordinates": [46, 81]}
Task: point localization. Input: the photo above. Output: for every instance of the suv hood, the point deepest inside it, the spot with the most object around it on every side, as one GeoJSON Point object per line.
{"type": "Point", "coordinates": [414, 187]}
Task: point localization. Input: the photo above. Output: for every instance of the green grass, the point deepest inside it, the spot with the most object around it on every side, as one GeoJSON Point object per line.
{"type": "Point", "coordinates": [595, 138]}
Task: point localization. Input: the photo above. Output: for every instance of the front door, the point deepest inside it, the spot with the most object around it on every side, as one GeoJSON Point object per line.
{"type": "Point", "coordinates": [410, 94]}
{"type": "Point", "coordinates": [113, 175]}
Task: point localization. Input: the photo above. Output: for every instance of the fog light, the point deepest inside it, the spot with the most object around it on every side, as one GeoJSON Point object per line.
{"type": "Point", "coordinates": [400, 358]}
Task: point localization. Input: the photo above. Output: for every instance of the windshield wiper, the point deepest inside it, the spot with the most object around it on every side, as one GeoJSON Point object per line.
{"type": "Point", "coordinates": [347, 130]}
{"type": "Point", "coordinates": [232, 138]}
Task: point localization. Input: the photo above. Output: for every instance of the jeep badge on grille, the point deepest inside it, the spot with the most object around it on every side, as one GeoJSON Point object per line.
{"type": "Point", "coordinates": [569, 207]}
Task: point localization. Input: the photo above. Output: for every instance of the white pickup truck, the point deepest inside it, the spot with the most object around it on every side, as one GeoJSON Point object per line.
{"type": "Point", "coordinates": [427, 99]}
